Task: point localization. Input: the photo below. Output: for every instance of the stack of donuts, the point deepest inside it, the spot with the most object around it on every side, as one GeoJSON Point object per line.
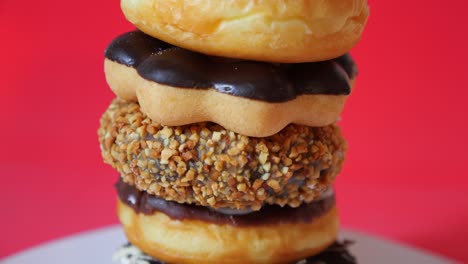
{"type": "Point", "coordinates": [223, 129]}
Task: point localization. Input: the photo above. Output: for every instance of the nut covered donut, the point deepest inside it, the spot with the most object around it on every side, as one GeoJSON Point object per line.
{"type": "Point", "coordinates": [264, 30]}
{"type": "Point", "coordinates": [208, 165]}
{"type": "Point", "coordinates": [178, 87]}
{"type": "Point", "coordinates": [180, 233]}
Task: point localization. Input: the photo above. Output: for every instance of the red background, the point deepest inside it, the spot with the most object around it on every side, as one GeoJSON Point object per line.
{"type": "Point", "coordinates": [405, 177]}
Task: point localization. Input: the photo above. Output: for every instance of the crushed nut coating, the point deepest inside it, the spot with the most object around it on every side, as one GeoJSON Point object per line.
{"type": "Point", "coordinates": [207, 165]}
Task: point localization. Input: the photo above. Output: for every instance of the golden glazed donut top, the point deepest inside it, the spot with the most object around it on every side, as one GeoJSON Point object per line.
{"type": "Point", "coordinates": [266, 30]}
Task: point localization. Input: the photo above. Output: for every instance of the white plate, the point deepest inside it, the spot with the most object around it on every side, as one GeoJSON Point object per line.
{"type": "Point", "coordinates": [98, 246]}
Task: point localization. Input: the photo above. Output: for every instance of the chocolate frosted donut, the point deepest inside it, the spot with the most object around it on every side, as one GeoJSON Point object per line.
{"type": "Point", "coordinates": [208, 165]}
{"type": "Point", "coordinates": [181, 233]}
{"type": "Point", "coordinates": [145, 203]}
{"type": "Point", "coordinates": [163, 63]}
{"type": "Point", "coordinates": [248, 97]}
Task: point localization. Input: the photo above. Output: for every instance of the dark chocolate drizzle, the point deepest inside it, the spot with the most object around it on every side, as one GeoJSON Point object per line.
{"type": "Point", "coordinates": [337, 253]}
{"type": "Point", "coordinates": [163, 63]}
{"type": "Point", "coordinates": [142, 202]}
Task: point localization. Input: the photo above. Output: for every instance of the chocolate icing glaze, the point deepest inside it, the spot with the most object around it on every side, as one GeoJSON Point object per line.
{"type": "Point", "coordinates": [142, 202]}
{"type": "Point", "coordinates": [163, 63]}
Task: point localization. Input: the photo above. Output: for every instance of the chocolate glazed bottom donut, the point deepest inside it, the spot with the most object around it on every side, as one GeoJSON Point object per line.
{"type": "Point", "coordinates": [337, 253]}
{"type": "Point", "coordinates": [178, 233]}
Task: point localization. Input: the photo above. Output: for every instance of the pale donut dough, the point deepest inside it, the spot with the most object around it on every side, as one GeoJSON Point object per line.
{"type": "Point", "coordinates": [178, 106]}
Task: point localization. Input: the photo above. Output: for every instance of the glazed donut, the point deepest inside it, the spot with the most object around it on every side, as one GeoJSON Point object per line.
{"type": "Point", "coordinates": [273, 30]}
{"type": "Point", "coordinates": [178, 87]}
{"type": "Point", "coordinates": [208, 165]}
{"type": "Point", "coordinates": [178, 233]}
